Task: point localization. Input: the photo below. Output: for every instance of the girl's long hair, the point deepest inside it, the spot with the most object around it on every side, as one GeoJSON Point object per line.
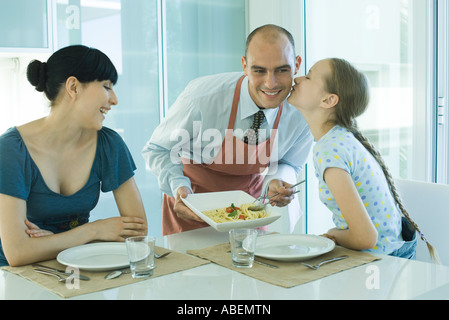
{"type": "Point", "coordinates": [351, 86]}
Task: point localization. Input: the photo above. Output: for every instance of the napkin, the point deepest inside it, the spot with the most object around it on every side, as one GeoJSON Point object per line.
{"type": "Point", "coordinates": [172, 263]}
{"type": "Point", "coordinates": [289, 274]}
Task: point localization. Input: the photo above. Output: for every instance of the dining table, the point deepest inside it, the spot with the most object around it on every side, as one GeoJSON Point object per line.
{"type": "Point", "coordinates": [380, 278]}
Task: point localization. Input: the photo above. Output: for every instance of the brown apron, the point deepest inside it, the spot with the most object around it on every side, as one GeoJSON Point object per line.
{"type": "Point", "coordinates": [237, 166]}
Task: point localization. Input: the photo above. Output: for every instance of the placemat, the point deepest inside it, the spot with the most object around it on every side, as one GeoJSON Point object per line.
{"type": "Point", "coordinates": [289, 274]}
{"type": "Point", "coordinates": [172, 263]}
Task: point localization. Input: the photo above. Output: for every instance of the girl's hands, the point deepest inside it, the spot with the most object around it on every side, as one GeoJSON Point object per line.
{"type": "Point", "coordinates": [326, 235]}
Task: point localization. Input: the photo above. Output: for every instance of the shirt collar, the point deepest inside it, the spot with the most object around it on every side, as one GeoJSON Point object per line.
{"type": "Point", "coordinates": [248, 107]}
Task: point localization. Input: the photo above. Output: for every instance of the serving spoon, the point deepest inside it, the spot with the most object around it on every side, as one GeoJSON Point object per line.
{"type": "Point", "coordinates": [258, 205]}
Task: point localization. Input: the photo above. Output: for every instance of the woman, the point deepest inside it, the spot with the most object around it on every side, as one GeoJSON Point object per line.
{"type": "Point", "coordinates": [52, 169]}
{"type": "Point", "coordinates": [354, 182]}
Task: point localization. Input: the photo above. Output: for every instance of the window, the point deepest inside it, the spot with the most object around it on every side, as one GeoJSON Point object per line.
{"type": "Point", "coordinates": [24, 25]}
{"type": "Point", "coordinates": [391, 42]}
{"type": "Point", "coordinates": [202, 38]}
{"type": "Point", "coordinates": [158, 46]}
{"type": "Point", "coordinates": [381, 38]}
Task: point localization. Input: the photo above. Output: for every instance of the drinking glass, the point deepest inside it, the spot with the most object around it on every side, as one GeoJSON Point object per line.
{"type": "Point", "coordinates": [243, 246]}
{"type": "Point", "coordinates": [141, 255]}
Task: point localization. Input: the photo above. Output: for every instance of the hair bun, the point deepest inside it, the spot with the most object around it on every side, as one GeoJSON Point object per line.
{"type": "Point", "coordinates": [36, 74]}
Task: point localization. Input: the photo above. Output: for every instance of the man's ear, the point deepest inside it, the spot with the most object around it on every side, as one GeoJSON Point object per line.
{"type": "Point", "coordinates": [330, 101]}
{"type": "Point", "coordinates": [244, 66]}
{"type": "Point", "coordinates": [298, 64]}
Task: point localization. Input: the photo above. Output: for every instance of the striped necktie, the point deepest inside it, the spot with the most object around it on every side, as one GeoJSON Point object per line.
{"type": "Point", "coordinates": [252, 135]}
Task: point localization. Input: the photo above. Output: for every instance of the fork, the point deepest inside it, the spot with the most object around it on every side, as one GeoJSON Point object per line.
{"type": "Point", "coordinates": [317, 266]}
{"type": "Point", "coordinates": [60, 279]}
{"type": "Point", "coordinates": [258, 205]}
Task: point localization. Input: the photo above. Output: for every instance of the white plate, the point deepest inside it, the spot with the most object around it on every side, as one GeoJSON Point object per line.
{"type": "Point", "coordinates": [200, 202]}
{"type": "Point", "coordinates": [292, 247]}
{"type": "Point", "coordinates": [102, 256]}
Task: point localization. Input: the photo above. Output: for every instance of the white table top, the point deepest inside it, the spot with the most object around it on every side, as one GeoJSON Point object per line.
{"type": "Point", "coordinates": [389, 278]}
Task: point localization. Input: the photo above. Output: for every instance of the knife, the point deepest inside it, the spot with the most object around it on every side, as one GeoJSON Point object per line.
{"type": "Point", "coordinates": [266, 264]}
{"type": "Point", "coordinates": [263, 263]}
{"type": "Point", "coordinates": [79, 276]}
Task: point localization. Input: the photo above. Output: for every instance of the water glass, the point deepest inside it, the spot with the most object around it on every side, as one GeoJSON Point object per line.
{"type": "Point", "coordinates": [243, 246]}
{"type": "Point", "coordinates": [141, 255]}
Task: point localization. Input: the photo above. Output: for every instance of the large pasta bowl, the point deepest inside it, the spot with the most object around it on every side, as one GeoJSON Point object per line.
{"type": "Point", "coordinates": [201, 202]}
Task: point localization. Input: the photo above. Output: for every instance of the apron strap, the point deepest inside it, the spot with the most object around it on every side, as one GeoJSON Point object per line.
{"type": "Point", "coordinates": [235, 103]}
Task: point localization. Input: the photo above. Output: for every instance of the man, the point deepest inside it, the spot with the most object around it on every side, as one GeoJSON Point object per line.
{"type": "Point", "coordinates": [205, 144]}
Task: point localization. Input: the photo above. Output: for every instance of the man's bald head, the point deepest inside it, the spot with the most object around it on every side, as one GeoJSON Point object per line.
{"type": "Point", "coordinates": [270, 33]}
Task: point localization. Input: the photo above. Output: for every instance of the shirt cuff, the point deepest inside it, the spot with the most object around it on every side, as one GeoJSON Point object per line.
{"type": "Point", "coordinates": [179, 182]}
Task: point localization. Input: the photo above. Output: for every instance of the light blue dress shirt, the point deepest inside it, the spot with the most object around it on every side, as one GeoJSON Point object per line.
{"type": "Point", "coordinates": [204, 108]}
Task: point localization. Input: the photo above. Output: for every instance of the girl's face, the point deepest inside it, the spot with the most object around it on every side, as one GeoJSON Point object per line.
{"type": "Point", "coordinates": [97, 99]}
{"type": "Point", "coordinates": [310, 91]}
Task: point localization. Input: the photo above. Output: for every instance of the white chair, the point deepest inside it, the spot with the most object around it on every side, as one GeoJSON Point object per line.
{"type": "Point", "coordinates": [428, 205]}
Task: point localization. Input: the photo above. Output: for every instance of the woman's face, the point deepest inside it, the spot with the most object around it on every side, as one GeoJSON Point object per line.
{"type": "Point", "coordinates": [96, 102]}
{"type": "Point", "coordinates": [310, 90]}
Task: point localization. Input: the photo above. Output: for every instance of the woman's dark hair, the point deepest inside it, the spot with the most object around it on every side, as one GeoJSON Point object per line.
{"type": "Point", "coordinates": [84, 63]}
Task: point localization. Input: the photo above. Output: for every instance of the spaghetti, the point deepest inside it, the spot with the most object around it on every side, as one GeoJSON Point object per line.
{"type": "Point", "coordinates": [233, 213]}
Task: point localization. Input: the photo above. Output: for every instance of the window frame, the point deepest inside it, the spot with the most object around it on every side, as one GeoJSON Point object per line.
{"type": "Point", "coordinates": [441, 113]}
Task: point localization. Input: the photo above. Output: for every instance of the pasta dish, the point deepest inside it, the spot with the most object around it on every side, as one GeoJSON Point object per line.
{"type": "Point", "coordinates": [233, 213]}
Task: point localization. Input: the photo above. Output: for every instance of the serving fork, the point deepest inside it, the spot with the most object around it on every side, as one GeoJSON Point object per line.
{"type": "Point", "coordinates": [259, 205]}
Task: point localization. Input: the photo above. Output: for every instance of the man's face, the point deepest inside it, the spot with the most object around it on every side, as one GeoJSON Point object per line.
{"type": "Point", "coordinates": [270, 67]}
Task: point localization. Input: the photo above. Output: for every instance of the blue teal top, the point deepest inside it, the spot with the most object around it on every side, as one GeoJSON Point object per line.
{"type": "Point", "coordinates": [21, 178]}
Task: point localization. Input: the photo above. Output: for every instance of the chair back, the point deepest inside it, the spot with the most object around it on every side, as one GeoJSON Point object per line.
{"type": "Point", "coordinates": [428, 205]}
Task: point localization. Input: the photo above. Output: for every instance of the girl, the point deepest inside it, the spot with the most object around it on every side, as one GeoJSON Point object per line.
{"type": "Point", "coordinates": [52, 169]}
{"type": "Point", "coordinates": [354, 182]}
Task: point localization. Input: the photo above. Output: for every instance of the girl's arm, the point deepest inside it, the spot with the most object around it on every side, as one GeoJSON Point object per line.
{"type": "Point", "coordinates": [361, 233]}
{"type": "Point", "coordinates": [22, 248]}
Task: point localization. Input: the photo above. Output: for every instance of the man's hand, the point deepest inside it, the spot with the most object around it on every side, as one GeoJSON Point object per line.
{"type": "Point", "coordinates": [181, 209]}
{"type": "Point", "coordinates": [285, 193]}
